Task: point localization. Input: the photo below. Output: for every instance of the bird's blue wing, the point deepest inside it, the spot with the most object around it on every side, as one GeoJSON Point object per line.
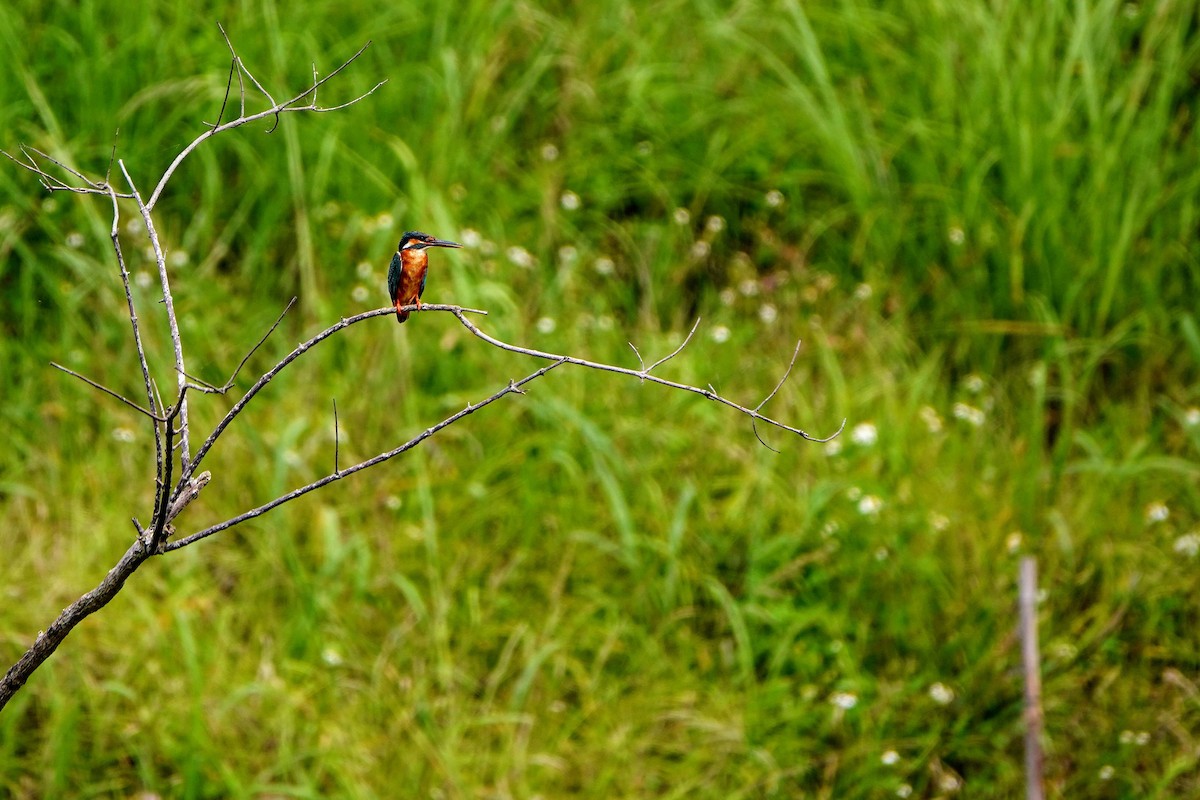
{"type": "Point", "coordinates": [421, 290]}
{"type": "Point", "coordinates": [394, 276]}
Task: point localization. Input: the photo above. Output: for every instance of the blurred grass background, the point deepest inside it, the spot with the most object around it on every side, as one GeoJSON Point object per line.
{"type": "Point", "coordinates": [981, 219]}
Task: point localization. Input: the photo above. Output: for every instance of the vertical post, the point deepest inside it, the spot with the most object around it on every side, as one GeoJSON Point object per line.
{"type": "Point", "coordinates": [1027, 603]}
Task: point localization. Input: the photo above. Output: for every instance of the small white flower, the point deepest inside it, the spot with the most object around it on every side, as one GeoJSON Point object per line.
{"type": "Point", "coordinates": [864, 434]}
{"type": "Point", "coordinates": [973, 383]}
{"type": "Point", "coordinates": [949, 783]}
{"type": "Point", "coordinates": [956, 235]}
{"type": "Point", "coordinates": [833, 447]}
{"type": "Point", "coordinates": [123, 434]}
{"type": "Point", "coordinates": [1012, 542]}
{"type": "Point", "coordinates": [1141, 738]}
{"type": "Point", "coordinates": [549, 151]}
{"type": "Point", "coordinates": [1106, 773]}
{"type": "Point", "coordinates": [941, 694]}
{"type": "Point", "coordinates": [1188, 544]}
{"type": "Point", "coordinates": [727, 296]}
{"type": "Point", "coordinates": [385, 220]}
{"type": "Point", "coordinates": [774, 198]}
{"type": "Point", "coordinates": [1157, 512]}
{"type": "Point", "coordinates": [881, 554]}
{"type": "Point", "coordinates": [605, 322]}
{"type": "Point", "coordinates": [470, 238]}
{"type": "Point", "coordinates": [359, 294]}
{"type": "Point", "coordinates": [870, 505]}
{"type": "Point", "coordinates": [844, 700]}
{"type": "Point", "coordinates": [569, 201]}
{"type": "Point", "coordinates": [567, 254]}
{"type": "Point", "coordinates": [889, 758]}
{"type": "Point", "coordinates": [853, 493]}
{"type": "Point", "coordinates": [364, 269]}
{"type": "Point", "coordinates": [1126, 737]}
{"type": "Point", "coordinates": [331, 657]}
{"type": "Point", "coordinates": [719, 334]}
{"type": "Point", "coordinates": [714, 224]}
{"type": "Point", "coordinates": [604, 266]}
{"type": "Point", "coordinates": [520, 256]}
{"type": "Point", "coordinates": [75, 240]}
{"type": "Point", "coordinates": [931, 418]}
{"type": "Point", "coordinates": [1191, 417]}
{"type": "Point", "coordinates": [393, 502]}
{"type": "Point", "coordinates": [700, 249]}
{"type": "Point", "coordinates": [681, 216]}
{"type": "Point", "coordinates": [939, 522]}
{"type": "Point", "coordinates": [829, 529]}
{"type": "Point", "coordinates": [904, 790]}
{"type": "Point", "coordinates": [546, 325]}
{"type": "Point", "coordinates": [135, 226]}
{"type": "Point", "coordinates": [748, 287]}
{"type": "Point", "coordinates": [143, 279]}
{"type": "Point", "coordinates": [863, 291]}
{"type": "Point", "coordinates": [969, 414]}
{"type": "Point", "coordinates": [768, 313]}
{"type": "Point", "coordinates": [1063, 651]}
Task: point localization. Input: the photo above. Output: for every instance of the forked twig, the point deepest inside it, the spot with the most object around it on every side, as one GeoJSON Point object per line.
{"type": "Point", "coordinates": [209, 388]}
{"type": "Point", "coordinates": [767, 399]}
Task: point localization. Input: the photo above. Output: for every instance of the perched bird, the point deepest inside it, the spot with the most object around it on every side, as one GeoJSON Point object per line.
{"type": "Point", "coordinates": [410, 265]}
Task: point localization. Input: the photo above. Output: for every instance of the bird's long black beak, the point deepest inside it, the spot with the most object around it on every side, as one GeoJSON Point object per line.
{"type": "Point", "coordinates": [442, 243]}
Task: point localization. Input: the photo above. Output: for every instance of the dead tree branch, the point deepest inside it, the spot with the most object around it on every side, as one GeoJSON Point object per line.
{"type": "Point", "coordinates": [177, 482]}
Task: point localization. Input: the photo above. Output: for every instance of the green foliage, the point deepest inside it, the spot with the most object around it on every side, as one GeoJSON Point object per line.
{"type": "Point", "coordinates": [979, 217]}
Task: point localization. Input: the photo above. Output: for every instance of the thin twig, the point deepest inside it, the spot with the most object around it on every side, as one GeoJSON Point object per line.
{"type": "Point", "coordinates": [336, 439]}
{"type": "Point", "coordinates": [233, 65]}
{"type": "Point", "coordinates": [108, 391]}
{"type": "Point", "coordinates": [677, 351]}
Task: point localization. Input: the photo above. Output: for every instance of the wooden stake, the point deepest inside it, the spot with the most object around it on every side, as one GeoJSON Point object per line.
{"type": "Point", "coordinates": [1027, 603]}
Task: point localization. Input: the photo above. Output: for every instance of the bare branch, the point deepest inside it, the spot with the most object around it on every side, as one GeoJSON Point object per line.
{"type": "Point", "coordinates": [115, 235]}
{"type": "Point", "coordinates": [53, 184]}
{"type": "Point", "coordinates": [710, 393]}
{"type": "Point", "coordinates": [169, 304]}
{"type": "Point", "coordinates": [48, 641]}
{"type": "Point", "coordinates": [108, 391]}
{"type": "Point", "coordinates": [275, 111]}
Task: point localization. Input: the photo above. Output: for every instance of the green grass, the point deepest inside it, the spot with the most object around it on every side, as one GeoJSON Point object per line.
{"type": "Point", "coordinates": [986, 241]}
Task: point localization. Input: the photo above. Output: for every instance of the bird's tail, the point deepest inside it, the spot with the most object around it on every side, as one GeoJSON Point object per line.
{"type": "Point", "coordinates": [401, 316]}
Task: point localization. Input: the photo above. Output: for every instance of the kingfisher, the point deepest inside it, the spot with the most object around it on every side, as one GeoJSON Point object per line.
{"type": "Point", "coordinates": [410, 266]}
